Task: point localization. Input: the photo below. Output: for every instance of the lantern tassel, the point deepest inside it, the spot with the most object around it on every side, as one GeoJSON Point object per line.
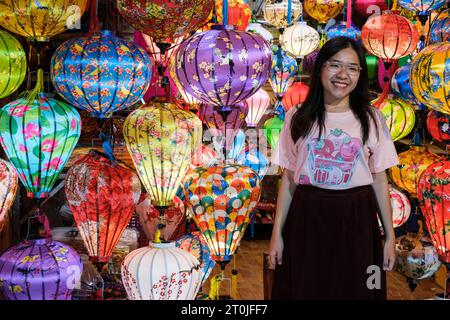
{"type": "Point", "coordinates": [215, 286]}
{"type": "Point", "coordinates": [234, 273]}
{"type": "Point", "coordinates": [30, 96]}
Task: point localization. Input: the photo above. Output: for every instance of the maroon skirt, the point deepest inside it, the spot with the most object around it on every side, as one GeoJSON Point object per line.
{"type": "Point", "coordinates": [332, 247]}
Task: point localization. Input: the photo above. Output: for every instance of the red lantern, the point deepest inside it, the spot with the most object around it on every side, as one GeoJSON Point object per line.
{"type": "Point", "coordinates": [367, 8]}
{"type": "Point", "coordinates": [295, 94]}
{"type": "Point", "coordinates": [239, 13]}
{"type": "Point", "coordinates": [438, 125]}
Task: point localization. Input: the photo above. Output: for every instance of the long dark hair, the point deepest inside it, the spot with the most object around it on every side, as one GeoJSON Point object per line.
{"type": "Point", "coordinates": [313, 109]}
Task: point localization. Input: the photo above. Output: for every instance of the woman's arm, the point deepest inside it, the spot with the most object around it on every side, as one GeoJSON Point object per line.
{"type": "Point", "coordinates": [285, 194]}
{"type": "Point", "coordinates": [381, 189]}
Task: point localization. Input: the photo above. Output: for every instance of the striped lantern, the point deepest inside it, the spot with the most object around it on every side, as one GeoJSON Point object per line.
{"type": "Point", "coordinates": [102, 197]}
{"type": "Point", "coordinates": [8, 188]}
{"type": "Point", "coordinates": [300, 39]}
{"type": "Point", "coordinates": [438, 125]}
{"type": "Point", "coordinates": [295, 95]}
{"type": "Point", "coordinates": [257, 106]}
{"type": "Point", "coordinates": [323, 10]}
{"type": "Point", "coordinates": [161, 271]}
{"type": "Point", "coordinates": [13, 64]}
{"type": "Point", "coordinates": [401, 208]}
{"type": "Point", "coordinates": [100, 73]}
{"type": "Point", "coordinates": [276, 12]}
{"type": "Point", "coordinates": [440, 28]}
{"type": "Point", "coordinates": [40, 269]}
{"type": "Point", "coordinates": [399, 116]}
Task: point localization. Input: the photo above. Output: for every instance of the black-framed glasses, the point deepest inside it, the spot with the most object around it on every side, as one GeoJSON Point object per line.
{"type": "Point", "coordinates": [336, 67]}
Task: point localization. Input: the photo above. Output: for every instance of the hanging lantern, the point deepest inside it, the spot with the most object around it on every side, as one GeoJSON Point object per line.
{"type": "Point", "coordinates": [40, 20]}
{"type": "Point", "coordinates": [256, 6]}
{"type": "Point", "coordinates": [295, 95]}
{"type": "Point", "coordinates": [101, 73]}
{"type": "Point", "coordinates": [255, 160]}
{"type": "Point", "coordinates": [400, 117]}
{"type": "Point", "coordinates": [8, 188]}
{"type": "Point", "coordinates": [40, 269]}
{"type": "Point", "coordinates": [440, 28]}
{"type": "Point", "coordinates": [161, 139]}
{"type": "Point", "coordinates": [372, 63]}
{"type": "Point", "coordinates": [207, 63]}
{"type": "Point", "coordinates": [367, 8]}
{"type": "Point", "coordinates": [13, 64]}
{"type": "Point", "coordinates": [255, 27]}
{"type": "Point", "coordinates": [239, 13]}
{"type": "Point", "coordinates": [422, 7]}
{"type": "Point", "coordinates": [276, 12]}
{"type": "Point", "coordinates": [438, 125]}
{"type": "Point", "coordinates": [389, 36]}
{"type": "Point", "coordinates": [102, 197]}
{"type": "Point", "coordinates": [401, 208]}
{"type": "Point", "coordinates": [165, 20]}
{"type": "Point", "coordinates": [204, 156]}
{"type": "Point", "coordinates": [429, 77]}
{"type": "Point", "coordinates": [257, 106]}
{"type": "Point", "coordinates": [413, 163]}
{"type": "Point", "coordinates": [400, 84]}
{"type": "Point", "coordinates": [161, 271]}
{"type": "Point", "coordinates": [222, 198]}
{"type": "Point", "coordinates": [340, 30]}
{"type": "Point", "coordinates": [272, 128]}
{"type": "Point", "coordinates": [283, 71]}
{"type": "Point", "coordinates": [323, 10]}
{"type": "Point", "coordinates": [300, 39]}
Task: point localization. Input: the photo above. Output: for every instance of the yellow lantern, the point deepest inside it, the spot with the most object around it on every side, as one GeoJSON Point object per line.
{"type": "Point", "coordinates": [399, 115]}
{"type": "Point", "coordinates": [13, 64]}
{"type": "Point", "coordinates": [323, 10]}
{"type": "Point", "coordinates": [41, 19]}
{"type": "Point", "coordinates": [162, 138]}
{"type": "Point", "coordinates": [412, 163]}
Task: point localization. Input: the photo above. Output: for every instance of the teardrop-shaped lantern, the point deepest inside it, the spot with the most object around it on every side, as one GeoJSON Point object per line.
{"type": "Point", "coordinates": [295, 95]}
{"type": "Point", "coordinates": [272, 128]}
{"type": "Point", "coordinates": [8, 188]}
{"type": "Point", "coordinates": [283, 71]}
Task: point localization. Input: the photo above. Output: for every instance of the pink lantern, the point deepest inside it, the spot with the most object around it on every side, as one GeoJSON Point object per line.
{"type": "Point", "coordinates": [204, 156]}
{"type": "Point", "coordinates": [295, 95]}
{"type": "Point", "coordinates": [257, 106]}
{"type": "Point", "coordinates": [401, 208]}
{"type": "Point", "coordinates": [367, 8]}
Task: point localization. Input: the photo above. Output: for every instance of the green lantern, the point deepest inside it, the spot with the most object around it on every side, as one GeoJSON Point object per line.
{"type": "Point", "coordinates": [13, 64]}
{"type": "Point", "coordinates": [400, 117]}
{"type": "Point", "coordinates": [272, 128]}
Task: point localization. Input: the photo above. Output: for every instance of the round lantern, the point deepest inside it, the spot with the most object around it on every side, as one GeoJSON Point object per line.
{"type": "Point", "coordinates": [223, 67]}
{"type": "Point", "coordinates": [429, 74]}
{"type": "Point", "coordinates": [102, 197]}
{"type": "Point", "coordinates": [438, 125]}
{"type": "Point", "coordinates": [256, 27]}
{"type": "Point", "coordinates": [399, 115]}
{"type": "Point", "coordinates": [222, 199]}
{"type": "Point", "coordinates": [323, 10]}
{"type": "Point", "coordinates": [272, 128]}
{"type": "Point", "coordinates": [257, 106]}
{"type": "Point", "coordinates": [295, 95]}
{"type": "Point", "coordinates": [101, 73]}
{"type": "Point", "coordinates": [13, 64]}
{"type": "Point", "coordinates": [412, 163]}
{"type": "Point", "coordinates": [165, 20]}
{"type": "Point", "coordinates": [8, 188]}
{"type": "Point", "coordinates": [367, 8]}
{"type": "Point", "coordinates": [440, 28]}
{"type": "Point", "coordinates": [422, 7]}
{"type": "Point", "coordinates": [276, 12]}
{"type": "Point", "coordinates": [239, 13]}
{"type": "Point", "coordinates": [340, 30]}
{"type": "Point", "coordinates": [255, 160]}
{"type": "Point", "coordinates": [389, 36]}
{"type": "Point", "coordinates": [401, 86]}
{"type": "Point", "coordinates": [38, 137]}
{"type": "Point", "coordinates": [41, 19]}
{"type": "Point", "coordinates": [161, 271]}
{"type": "Point", "coordinates": [161, 139]}
{"type": "Point", "coordinates": [283, 71]}
{"type": "Point", "coordinates": [401, 208]}
{"type": "Point", "coordinates": [40, 269]}
{"type": "Point", "coordinates": [300, 39]}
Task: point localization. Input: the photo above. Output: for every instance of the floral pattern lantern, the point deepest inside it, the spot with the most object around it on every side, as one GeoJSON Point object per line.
{"type": "Point", "coordinates": [401, 208]}
{"type": "Point", "coordinates": [340, 30]}
{"type": "Point", "coordinates": [283, 71]}
{"type": "Point", "coordinates": [13, 64]}
{"type": "Point", "coordinates": [8, 188]}
{"type": "Point", "coordinates": [440, 28]}
{"type": "Point", "coordinates": [323, 10]}
{"type": "Point", "coordinates": [40, 20]}
{"type": "Point", "coordinates": [295, 95]}
{"type": "Point", "coordinates": [272, 128]}
{"type": "Point", "coordinates": [161, 271]}
{"type": "Point", "coordinates": [401, 86]}
{"type": "Point", "coordinates": [422, 7]}
{"type": "Point", "coordinates": [239, 13]}
{"type": "Point", "coordinates": [40, 269]}
{"type": "Point", "coordinates": [399, 116]}
{"type": "Point", "coordinates": [438, 125]}
{"type": "Point", "coordinates": [300, 39]}
{"type": "Point", "coordinates": [257, 106]}
{"type": "Point", "coordinates": [276, 12]}
{"type": "Point", "coordinates": [102, 197]}
{"type": "Point", "coordinates": [100, 73]}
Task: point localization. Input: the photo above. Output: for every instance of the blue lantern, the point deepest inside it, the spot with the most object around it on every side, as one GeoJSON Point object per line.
{"type": "Point", "coordinates": [255, 160]}
{"type": "Point", "coordinates": [422, 7]}
{"type": "Point", "coordinates": [340, 30]}
{"type": "Point", "coordinates": [402, 88]}
{"type": "Point", "coordinates": [440, 28]}
{"type": "Point", "coordinates": [282, 72]}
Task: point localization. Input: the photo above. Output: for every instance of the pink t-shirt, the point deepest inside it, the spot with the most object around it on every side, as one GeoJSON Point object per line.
{"type": "Point", "coordinates": [339, 161]}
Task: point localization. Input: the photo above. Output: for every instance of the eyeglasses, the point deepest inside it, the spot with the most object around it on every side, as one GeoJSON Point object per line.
{"type": "Point", "coordinates": [336, 67]}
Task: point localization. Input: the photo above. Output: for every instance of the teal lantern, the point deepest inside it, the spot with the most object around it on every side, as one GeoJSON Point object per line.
{"type": "Point", "coordinates": [13, 64]}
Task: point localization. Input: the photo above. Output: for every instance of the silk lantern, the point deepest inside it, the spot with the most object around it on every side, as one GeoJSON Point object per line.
{"type": "Point", "coordinates": [323, 10]}
{"type": "Point", "coordinates": [256, 27]}
{"type": "Point", "coordinates": [399, 116]}
{"type": "Point", "coordinates": [276, 12]}
{"type": "Point", "coordinates": [161, 271]}
{"type": "Point", "coordinates": [100, 73]}
{"type": "Point", "coordinates": [440, 28]}
{"type": "Point", "coordinates": [413, 163]}
{"type": "Point", "coordinates": [40, 20]}
{"type": "Point", "coordinates": [13, 64]}
{"type": "Point", "coordinates": [283, 71]}
{"type": "Point", "coordinates": [367, 8]}
{"type": "Point", "coordinates": [272, 128]}
{"type": "Point", "coordinates": [429, 74]}
{"type": "Point", "coordinates": [40, 269]}
{"type": "Point", "coordinates": [340, 30]}
{"type": "Point", "coordinates": [401, 86]}
{"type": "Point", "coordinates": [102, 196]}
{"type": "Point", "coordinates": [295, 95]}
{"type": "Point", "coordinates": [8, 188]}
{"type": "Point", "coordinates": [438, 125]}
{"type": "Point", "coordinates": [239, 13]}
{"type": "Point", "coordinates": [401, 207]}
{"type": "Point", "coordinates": [223, 67]}
{"type": "Point", "coordinates": [257, 106]}
{"type": "Point", "coordinates": [161, 139]}
{"type": "Point", "coordinates": [422, 7]}
{"type": "Point", "coordinates": [221, 199]}
{"type": "Point", "coordinates": [300, 39]}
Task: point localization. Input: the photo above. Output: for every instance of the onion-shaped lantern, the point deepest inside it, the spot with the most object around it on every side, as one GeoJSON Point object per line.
{"type": "Point", "coordinates": [257, 106]}
{"type": "Point", "coordinates": [300, 39]}
{"type": "Point", "coordinates": [323, 10]}
{"type": "Point", "coordinates": [438, 125]}
{"type": "Point", "coordinates": [367, 8]}
{"type": "Point", "coordinates": [295, 95]}
{"type": "Point", "coordinates": [283, 71]}
{"type": "Point", "coordinates": [40, 269]}
{"type": "Point", "coordinates": [440, 28]}
{"type": "Point", "coordinates": [399, 116]}
{"type": "Point", "coordinates": [340, 30]}
{"type": "Point", "coordinates": [276, 12]}
{"type": "Point", "coordinates": [239, 13]}
{"type": "Point", "coordinates": [272, 128]}
{"type": "Point", "coordinates": [8, 188]}
{"type": "Point", "coordinates": [161, 271]}
{"type": "Point", "coordinates": [101, 73]}
{"type": "Point", "coordinates": [13, 64]}
{"type": "Point", "coordinates": [256, 27]}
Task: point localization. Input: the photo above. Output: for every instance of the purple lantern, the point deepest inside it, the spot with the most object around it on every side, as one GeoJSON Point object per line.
{"type": "Point", "coordinates": [40, 269]}
{"type": "Point", "coordinates": [223, 67]}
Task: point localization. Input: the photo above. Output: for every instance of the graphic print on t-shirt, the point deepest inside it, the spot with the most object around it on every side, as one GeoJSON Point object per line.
{"type": "Point", "coordinates": [332, 160]}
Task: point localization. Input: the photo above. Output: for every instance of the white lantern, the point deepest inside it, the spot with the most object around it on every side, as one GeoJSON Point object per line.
{"type": "Point", "coordinates": [256, 27]}
{"type": "Point", "coordinates": [276, 12]}
{"type": "Point", "coordinates": [161, 271]}
{"type": "Point", "coordinates": [300, 39]}
{"type": "Point", "coordinates": [257, 106]}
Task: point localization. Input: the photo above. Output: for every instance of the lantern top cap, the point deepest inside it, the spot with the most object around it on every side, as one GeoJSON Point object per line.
{"type": "Point", "coordinates": [40, 241]}
{"type": "Point", "coordinates": [162, 245]}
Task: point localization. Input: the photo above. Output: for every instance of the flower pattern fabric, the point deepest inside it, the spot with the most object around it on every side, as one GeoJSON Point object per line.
{"type": "Point", "coordinates": [8, 188]}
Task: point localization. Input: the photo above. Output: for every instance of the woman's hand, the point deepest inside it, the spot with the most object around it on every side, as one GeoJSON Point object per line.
{"type": "Point", "coordinates": [389, 254]}
{"type": "Point", "coordinates": [275, 250]}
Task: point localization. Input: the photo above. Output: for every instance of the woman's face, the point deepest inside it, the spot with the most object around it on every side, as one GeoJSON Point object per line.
{"type": "Point", "coordinates": [340, 75]}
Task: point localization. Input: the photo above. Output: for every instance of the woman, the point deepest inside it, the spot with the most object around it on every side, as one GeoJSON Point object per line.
{"type": "Point", "coordinates": [326, 242]}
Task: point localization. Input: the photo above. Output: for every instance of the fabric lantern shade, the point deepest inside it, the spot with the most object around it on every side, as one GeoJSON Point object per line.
{"type": "Point", "coordinates": [40, 269]}
{"type": "Point", "coordinates": [422, 7]}
{"type": "Point", "coordinates": [257, 106]}
{"type": "Point", "coordinates": [161, 271]}
{"type": "Point", "coordinates": [223, 67]}
{"type": "Point", "coordinates": [190, 101]}
{"type": "Point", "coordinates": [102, 197]}
{"type": "Point", "coordinates": [41, 19]}
{"type": "Point", "coordinates": [239, 13]}
{"type": "Point", "coordinates": [323, 10]}
{"type": "Point", "coordinates": [295, 95]}
{"type": "Point", "coordinates": [161, 139]}
{"type": "Point", "coordinates": [100, 73]}
{"type": "Point", "coordinates": [272, 128]}
{"type": "Point", "coordinates": [429, 74]}
{"type": "Point", "coordinates": [276, 12]}
{"type": "Point", "coordinates": [13, 64]}
{"type": "Point", "coordinates": [300, 39]}
{"type": "Point", "coordinates": [438, 125]}
{"type": "Point", "coordinates": [165, 20]}
{"type": "Point", "coordinates": [413, 163]}
{"type": "Point", "coordinates": [204, 156]}
{"type": "Point", "coordinates": [256, 27]}
{"type": "Point", "coordinates": [340, 30]}
{"type": "Point", "coordinates": [367, 8]}
{"type": "Point", "coordinates": [283, 71]}
{"type": "Point", "coordinates": [389, 36]}
{"type": "Point", "coordinates": [401, 208]}
{"type": "Point", "coordinates": [401, 86]}
{"type": "Point", "coordinates": [222, 199]}
{"type": "Point", "coordinates": [8, 188]}
{"type": "Point", "coordinates": [400, 117]}
{"type": "Point", "coordinates": [255, 160]}
{"type": "Point", "coordinates": [440, 28]}
{"type": "Point", "coordinates": [38, 137]}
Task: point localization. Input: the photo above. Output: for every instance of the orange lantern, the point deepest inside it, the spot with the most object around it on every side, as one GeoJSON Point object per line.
{"type": "Point", "coordinates": [295, 95]}
{"type": "Point", "coordinates": [239, 13]}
